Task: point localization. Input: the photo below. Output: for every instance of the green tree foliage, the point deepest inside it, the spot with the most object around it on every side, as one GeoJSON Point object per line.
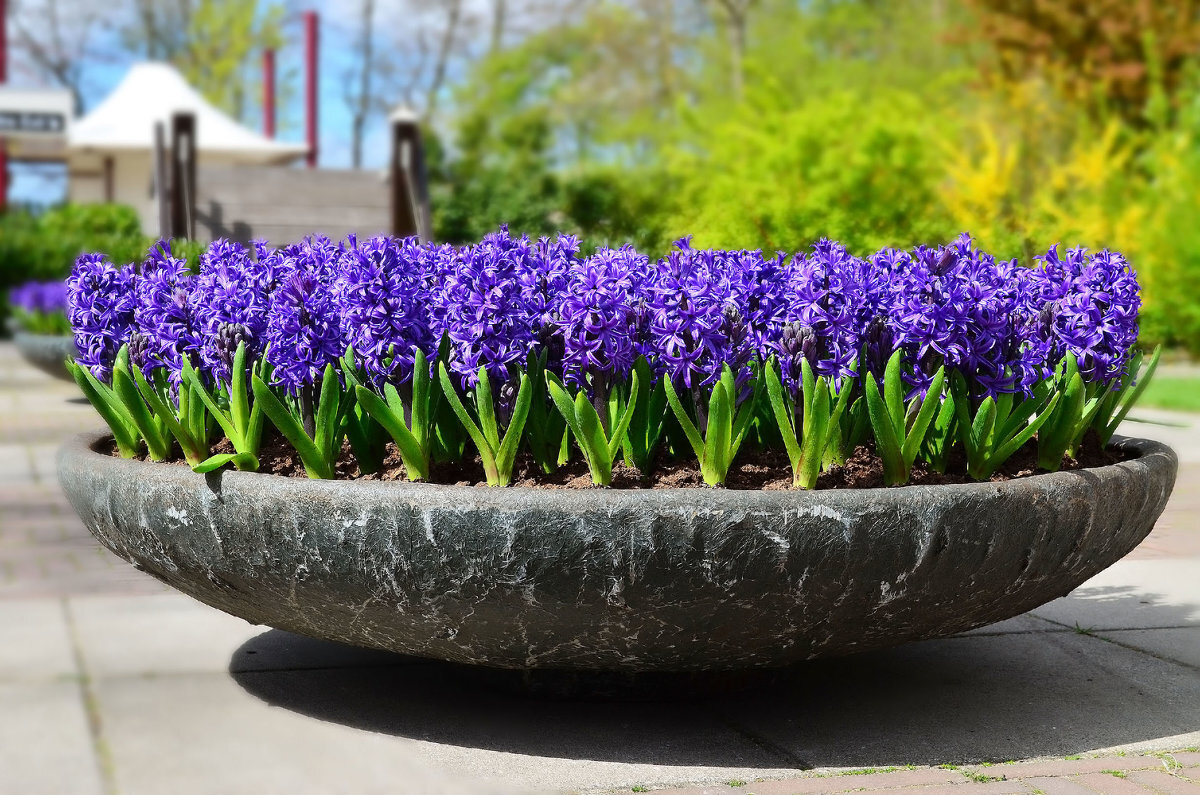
{"type": "Point", "coordinates": [875, 122]}
{"type": "Point", "coordinates": [214, 43]}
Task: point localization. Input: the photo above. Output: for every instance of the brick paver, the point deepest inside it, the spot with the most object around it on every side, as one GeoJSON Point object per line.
{"type": "Point", "coordinates": [1107, 775]}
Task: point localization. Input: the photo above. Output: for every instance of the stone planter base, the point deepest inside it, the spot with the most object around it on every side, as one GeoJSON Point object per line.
{"type": "Point", "coordinates": [687, 580]}
{"type": "Point", "coordinates": [46, 353]}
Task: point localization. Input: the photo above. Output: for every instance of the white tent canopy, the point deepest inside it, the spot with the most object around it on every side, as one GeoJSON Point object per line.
{"type": "Point", "coordinates": [152, 92]}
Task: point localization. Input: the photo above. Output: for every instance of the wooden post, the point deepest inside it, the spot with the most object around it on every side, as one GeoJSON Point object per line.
{"type": "Point", "coordinates": [269, 92]}
{"type": "Point", "coordinates": [162, 190]}
{"type": "Point", "coordinates": [310, 85]}
{"type": "Point", "coordinates": [109, 191]}
{"type": "Point", "coordinates": [183, 174]}
{"type": "Point", "coordinates": [3, 79]}
{"type": "Point", "coordinates": [409, 179]}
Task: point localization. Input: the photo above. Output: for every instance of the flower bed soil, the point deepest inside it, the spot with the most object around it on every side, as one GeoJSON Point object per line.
{"type": "Point", "coordinates": [754, 470]}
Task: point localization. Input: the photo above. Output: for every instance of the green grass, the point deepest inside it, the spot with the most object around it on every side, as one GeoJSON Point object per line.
{"type": "Point", "coordinates": [1177, 394]}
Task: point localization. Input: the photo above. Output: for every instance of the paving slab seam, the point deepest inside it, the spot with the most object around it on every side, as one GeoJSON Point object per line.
{"type": "Point", "coordinates": [764, 742]}
{"type": "Point", "coordinates": [1093, 633]}
{"type": "Point", "coordinates": [91, 706]}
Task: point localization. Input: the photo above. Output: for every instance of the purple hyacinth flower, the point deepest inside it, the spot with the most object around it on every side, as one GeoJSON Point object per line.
{"type": "Point", "coordinates": [383, 298]}
{"type": "Point", "coordinates": [595, 317]}
{"type": "Point", "coordinates": [304, 328]}
{"type": "Point", "coordinates": [232, 295]}
{"type": "Point", "coordinates": [101, 302]}
{"type": "Point", "coordinates": [1089, 307]}
{"type": "Point", "coordinates": [484, 306]}
{"type": "Point", "coordinates": [697, 322]}
{"type": "Point", "coordinates": [165, 314]}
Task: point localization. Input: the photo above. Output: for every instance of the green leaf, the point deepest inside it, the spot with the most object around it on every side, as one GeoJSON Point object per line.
{"type": "Point", "coordinates": [486, 408]}
{"type": "Point", "coordinates": [816, 431]}
{"type": "Point", "coordinates": [985, 422]}
{"type": "Point", "coordinates": [243, 461]}
{"type": "Point", "coordinates": [893, 394]}
{"type": "Point", "coordinates": [564, 403]}
{"type": "Point", "coordinates": [1058, 431]}
{"type": "Point", "coordinates": [591, 439]}
{"type": "Point", "coordinates": [1006, 450]}
{"type": "Point", "coordinates": [886, 442]}
{"type": "Point", "coordinates": [421, 384]}
{"type": "Point", "coordinates": [916, 435]}
{"type": "Point", "coordinates": [685, 422]}
{"type": "Point", "coordinates": [415, 461]}
{"type": "Point", "coordinates": [744, 413]}
{"type": "Point", "coordinates": [622, 426]}
{"type": "Point", "coordinates": [718, 440]}
{"type": "Point", "coordinates": [158, 445]}
{"type": "Point", "coordinates": [315, 462]}
{"type": "Point", "coordinates": [327, 438]}
{"type": "Point", "coordinates": [783, 417]}
{"type": "Point", "coordinates": [239, 399]}
{"type": "Point", "coordinates": [481, 443]}
{"type": "Point", "coordinates": [1130, 397]}
{"type": "Point", "coordinates": [512, 436]}
{"type": "Point", "coordinates": [124, 432]}
{"type": "Point", "coordinates": [191, 380]}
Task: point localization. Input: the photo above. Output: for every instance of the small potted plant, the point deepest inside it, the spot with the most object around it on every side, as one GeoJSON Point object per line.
{"type": "Point", "coordinates": [40, 328]}
{"type": "Point", "coordinates": [517, 455]}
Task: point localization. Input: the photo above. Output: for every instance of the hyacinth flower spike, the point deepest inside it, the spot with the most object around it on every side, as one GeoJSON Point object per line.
{"type": "Point", "coordinates": [808, 427]}
{"type": "Point", "coordinates": [726, 427]}
{"type": "Point", "coordinates": [241, 421]}
{"type": "Point", "coordinates": [410, 423]}
{"type": "Point", "coordinates": [319, 449]}
{"type": "Point", "coordinates": [497, 452]}
{"type": "Point", "coordinates": [1000, 426]}
{"type": "Point", "coordinates": [597, 436]}
{"type": "Point", "coordinates": [900, 428]}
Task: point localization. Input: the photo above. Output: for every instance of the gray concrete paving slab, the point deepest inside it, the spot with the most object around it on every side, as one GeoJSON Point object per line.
{"type": "Point", "coordinates": [34, 641]}
{"type": "Point", "coordinates": [155, 635]}
{"type": "Point", "coordinates": [1132, 594]}
{"type": "Point", "coordinates": [45, 744]}
{"type": "Point", "coordinates": [1019, 624]}
{"type": "Point", "coordinates": [459, 724]}
{"type": "Point", "coordinates": [1180, 645]}
{"type": "Point", "coordinates": [1178, 429]}
{"type": "Point", "coordinates": [200, 734]}
{"type": "Point", "coordinates": [982, 698]}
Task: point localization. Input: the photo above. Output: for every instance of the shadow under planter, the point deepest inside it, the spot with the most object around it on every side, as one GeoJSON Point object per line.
{"type": "Point", "coordinates": [688, 580]}
{"type": "Point", "coordinates": [1037, 690]}
{"type": "Point", "coordinates": [46, 352]}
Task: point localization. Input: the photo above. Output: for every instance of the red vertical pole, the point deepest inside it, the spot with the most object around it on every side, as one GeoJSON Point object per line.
{"type": "Point", "coordinates": [3, 79]}
{"type": "Point", "coordinates": [268, 92]}
{"type": "Point", "coordinates": [310, 87]}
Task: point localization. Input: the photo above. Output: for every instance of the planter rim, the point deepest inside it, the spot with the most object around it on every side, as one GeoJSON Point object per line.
{"type": "Point", "coordinates": [1150, 455]}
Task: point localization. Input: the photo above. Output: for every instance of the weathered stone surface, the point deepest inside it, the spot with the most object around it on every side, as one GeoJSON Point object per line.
{"type": "Point", "coordinates": [664, 580]}
{"type": "Point", "coordinates": [47, 353]}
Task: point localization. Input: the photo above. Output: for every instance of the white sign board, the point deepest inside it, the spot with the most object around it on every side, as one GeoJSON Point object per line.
{"type": "Point", "coordinates": [34, 122]}
{"type": "Point", "coordinates": [35, 113]}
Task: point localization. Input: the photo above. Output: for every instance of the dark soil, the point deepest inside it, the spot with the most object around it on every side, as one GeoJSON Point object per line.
{"type": "Point", "coordinates": [753, 469]}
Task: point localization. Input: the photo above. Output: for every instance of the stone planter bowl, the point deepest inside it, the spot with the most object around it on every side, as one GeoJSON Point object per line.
{"type": "Point", "coordinates": [681, 580]}
{"type": "Point", "coordinates": [47, 353]}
